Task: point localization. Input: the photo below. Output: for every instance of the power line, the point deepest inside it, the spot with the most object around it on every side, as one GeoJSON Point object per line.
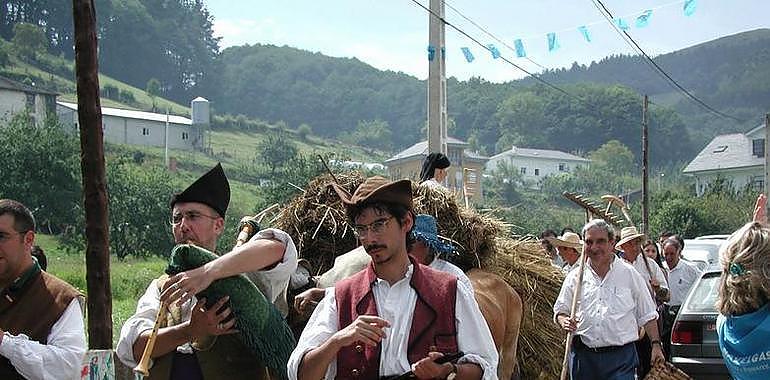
{"type": "Point", "coordinates": [635, 46]}
{"type": "Point", "coordinates": [590, 107]}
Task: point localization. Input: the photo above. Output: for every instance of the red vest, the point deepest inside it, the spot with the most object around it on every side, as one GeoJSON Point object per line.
{"type": "Point", "coordinates": [433, 323]}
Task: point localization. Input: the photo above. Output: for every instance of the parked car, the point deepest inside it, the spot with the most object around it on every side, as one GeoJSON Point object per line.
{"type": "Point", "coordinates": [694, 343]}
{"type": "Point", "coordinates": [712, 237]}
{"type": "Point", "coordinates": [703, 252]}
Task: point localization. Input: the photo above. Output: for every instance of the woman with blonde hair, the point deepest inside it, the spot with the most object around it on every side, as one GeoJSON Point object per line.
{"type": "Point", "coordinates": [744, 291]}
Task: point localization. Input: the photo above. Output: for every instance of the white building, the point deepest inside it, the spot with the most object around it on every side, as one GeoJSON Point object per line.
{"type": "Point", "coordinates": [132, 127]}
{"type": "Point", "coordinates": [536, 164]}
{"type": "Point", "coordinates": [738, 158]}
{"type": "Point", "coordinates": [16, 97]}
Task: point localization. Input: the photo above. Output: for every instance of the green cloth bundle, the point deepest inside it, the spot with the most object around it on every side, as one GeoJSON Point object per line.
{"type": "Point", "coordinates": [261, 326]}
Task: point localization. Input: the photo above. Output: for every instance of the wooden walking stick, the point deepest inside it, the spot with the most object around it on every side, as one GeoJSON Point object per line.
{"type": "Point", "coordinates": [572, 314]}
{"type": "Point", "coordinates": [143, 367]}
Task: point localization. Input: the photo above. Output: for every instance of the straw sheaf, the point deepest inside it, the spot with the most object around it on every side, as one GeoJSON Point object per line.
{"type": "Point", "coordinates": [316, 221]}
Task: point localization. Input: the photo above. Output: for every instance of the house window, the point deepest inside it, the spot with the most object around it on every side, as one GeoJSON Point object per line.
{"type": "Point", "coordinates": [31, 102]}
{"type": "Point", "coordinates": [562, 167]}
{"type": "Point", "coordinates": [523, 170]}
{"type": "Point", "coordinates": [758, 183]}
{"type": "Point", "coordinates": [537, 172]}
{"type": "Point", "coordinates": [185, 136]}
{"type": "Point", "coordinates": [758, 147]}
{"type": "Point", "coordinates": [145, 131]}
{"type": "Point", "coordinates": [720, 149]}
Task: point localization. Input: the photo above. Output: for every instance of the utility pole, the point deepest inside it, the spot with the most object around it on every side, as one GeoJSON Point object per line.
{"type": "Point", "coordinates": [767, 155]}
{"type": "Point", "coordinates": [437, 105]}
{"type": "Point", "coordinates": [645, 169]}
{"type": "Point", "coordinates": [94, 177]}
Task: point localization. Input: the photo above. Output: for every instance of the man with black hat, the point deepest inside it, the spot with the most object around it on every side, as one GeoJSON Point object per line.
{"type": "Point", "coordinates": [268, 259]}
{"type": "Point", "coordinates": [396, 315]}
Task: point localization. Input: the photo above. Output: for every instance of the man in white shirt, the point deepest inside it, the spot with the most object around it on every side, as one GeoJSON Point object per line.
{"type": "Point", "coordinates": [681, 276]}
{"type": "Point", "coordinates": [630, 243]}
{"type": "Point", "coordinates": [614, 302]}
{"type": "Point", "coordinates": [268, 259]}
{"type": "Point", "coordinates": [41, 323]}
{"type": "Point", "coordinates": [396, 315]}
{"type": "Point", "coordinates": [568, 246]}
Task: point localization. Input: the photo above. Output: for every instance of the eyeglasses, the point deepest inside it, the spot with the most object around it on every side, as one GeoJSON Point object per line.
{"type": "Point", "coordinates": [5, 236]}
{"type": "Point", "coordinates": [601, 241]}
{"type": "Point", "coordinates": [376, 227]}
{"type": "Point", "coordinates": [191, 216]}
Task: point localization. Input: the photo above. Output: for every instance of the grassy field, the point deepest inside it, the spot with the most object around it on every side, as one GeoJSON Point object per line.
{"type": "Point", "coordinates": [129, 278]}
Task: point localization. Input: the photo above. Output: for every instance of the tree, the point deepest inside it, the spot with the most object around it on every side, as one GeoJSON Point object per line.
{"type": "Point", "coordinates": [276, 151]}
{"type": "Point", "coordinates": [303, 131]}
{"type": "Point", "coordinates": [28, 40]}
{"type": "Point", "coordinates": [613, 158]}
{"type": "Point", "coordinates": [504, 184]}
{"type": "Point", "coordinates": [152, 89]}
{"type": "Point", "coordinates": [374, 134]}
{"type": "Point", "coordinates": [41, 168]}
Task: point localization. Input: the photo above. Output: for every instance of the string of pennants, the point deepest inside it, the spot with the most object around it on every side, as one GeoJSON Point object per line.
{"type": "Point", "coordinates": [640, 20]}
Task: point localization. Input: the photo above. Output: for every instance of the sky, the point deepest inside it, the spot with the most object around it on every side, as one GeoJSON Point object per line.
{"type": "Point", "coordinates": [393, 34]}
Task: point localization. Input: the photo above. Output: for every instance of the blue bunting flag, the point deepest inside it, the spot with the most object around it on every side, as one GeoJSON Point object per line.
{"type": "Point", "coordinates": [467, 53]}
{"type": "Point", "coordinates": [622, 24]}
{"type": "Point", "coordinates": [520, 52]}
{"type": "Point", "coordinates": [584, 30]}
{"type": "Point", "coordinates": [689, 7]}
{"type": "Point", "coordinates": [431, 52]}
{"type": "Point", "coordinates": [553, 43]}
{"type": "Point", "coordinates": [494, 51]}
{"type": "Point", "coordinates": [644, 19]}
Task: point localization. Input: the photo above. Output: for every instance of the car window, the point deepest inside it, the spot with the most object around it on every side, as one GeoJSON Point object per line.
{"type": "Point", "coordinates": [703, 296]}
{"type": "Point", "coordinates": [700, 251]}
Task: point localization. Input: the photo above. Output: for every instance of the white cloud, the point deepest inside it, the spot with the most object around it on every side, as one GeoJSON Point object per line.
{"type": "Point", "coordinates": [242, 31]}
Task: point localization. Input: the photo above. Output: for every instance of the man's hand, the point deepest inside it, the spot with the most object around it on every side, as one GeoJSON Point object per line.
{"type": "Point", "coordinates": [760, 209]}
{"type": "Point", "coordinates": [567, 323]}
{"type": "Point", "coordinates": [306, 301]}
{"type": "Point", "coordinates": [657, 354]}
{"type": "Point", "coordinates": [181, 287]}
{"type": "Point", "coordinates": [367, 329]}
{"type": "Point", "coordinates": [427, 368]}
{"type": "Point", "coordinates": [206, 322]}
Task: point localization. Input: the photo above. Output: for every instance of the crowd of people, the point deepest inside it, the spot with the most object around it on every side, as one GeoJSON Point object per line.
{"type": "Point", "coordinates": [406, 310]}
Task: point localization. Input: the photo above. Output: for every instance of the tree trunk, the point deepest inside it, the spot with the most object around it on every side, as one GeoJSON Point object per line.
{"type": "Point", "coordinates": [94, 179]}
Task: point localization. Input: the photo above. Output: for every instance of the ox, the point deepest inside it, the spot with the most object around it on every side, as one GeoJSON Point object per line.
{"type": "Point", "coordinates": [500, 305]}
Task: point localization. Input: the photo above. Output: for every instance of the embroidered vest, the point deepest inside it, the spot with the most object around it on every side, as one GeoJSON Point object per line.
{"type": "Point", "coordinates": [31, 306]}
{"type": "Point", "coordinates": [433, 323]}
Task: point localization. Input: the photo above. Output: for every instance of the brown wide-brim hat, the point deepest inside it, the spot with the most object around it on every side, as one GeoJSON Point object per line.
{"type": "Point", "coordinates": [627, 234]}
{"type": "Point", "coordinates": [378, 189]}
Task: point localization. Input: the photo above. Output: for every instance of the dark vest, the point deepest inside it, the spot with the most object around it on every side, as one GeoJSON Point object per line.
{"type": "Point", "coordinates": [31, 306]}
{"type": "Point", "coordinates": [433, 322]}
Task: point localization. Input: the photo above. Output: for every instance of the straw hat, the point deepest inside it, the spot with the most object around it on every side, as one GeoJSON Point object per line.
{"type": "Point", "coordinates": [569, 239]}
{"type": "Point", "coordinates": [426, 231]}
{"type": "Point", "coordinates": [627, 234]}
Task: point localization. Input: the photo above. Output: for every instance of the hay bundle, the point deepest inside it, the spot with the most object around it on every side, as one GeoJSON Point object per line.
{"type": "Point", "coordinates": [316, 221]}
{"type": "Point", "coordinates": [522, 265]}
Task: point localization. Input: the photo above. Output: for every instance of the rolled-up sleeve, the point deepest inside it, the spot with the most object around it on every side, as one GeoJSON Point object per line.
{"type": "Point", "coordinates": [60, 358]}
{"type": "Point", "coordinates": [473, 336]}
{"type": "Point", "coordinates": [273, 282]}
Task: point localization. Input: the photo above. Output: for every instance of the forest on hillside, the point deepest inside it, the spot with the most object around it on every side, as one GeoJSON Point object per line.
{"type": "Point", "coordinates": [172, 43]}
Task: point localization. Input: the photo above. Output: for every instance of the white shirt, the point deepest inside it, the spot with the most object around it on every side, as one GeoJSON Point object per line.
{"type": "Point", "coordinates": [61, 358]}
{"type": "Point", "coordinates": [641, 268]}
{"type": "Point", "coordinates": [473, 336]}
{"type": "Point", "coordinates": [680, 280]}
{"type": "Point", "coordinates": [446, 266]}
{"type": "Point", "coordinates": [610, 310]}
{"type": "Point", "coordinates": [272, 283]}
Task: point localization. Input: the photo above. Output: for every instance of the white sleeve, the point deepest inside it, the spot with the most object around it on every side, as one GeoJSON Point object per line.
{"type": "Point", "coordinates": [473, 336]}
{"type": "Point", "coordinates": [563, 302]}
{"type": "Point", "coordinates": [322, 325]}
{"type": "Point", "coordinates": [645, 310]}
{"type": "Point", "coordinates": [273, 282]}
{"type": "Point", "coordinates": [659, 276]}
{"type": "Point", "coordinates": [61, 358]}
{"type": "Point", "coordinates": [142, 320]}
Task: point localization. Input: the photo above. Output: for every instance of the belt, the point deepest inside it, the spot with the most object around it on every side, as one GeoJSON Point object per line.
{"type": "Point", "coordinates": [578, 344]}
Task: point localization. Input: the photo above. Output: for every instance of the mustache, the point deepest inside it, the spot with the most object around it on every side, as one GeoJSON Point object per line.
{"type": "Point", "coordinates": [375, 246]}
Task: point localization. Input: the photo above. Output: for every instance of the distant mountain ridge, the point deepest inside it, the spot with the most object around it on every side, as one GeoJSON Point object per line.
{"type": "Point", "coordinates": [333, 94]}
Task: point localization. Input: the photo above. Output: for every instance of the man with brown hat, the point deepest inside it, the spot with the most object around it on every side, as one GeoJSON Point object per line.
{"type": "Point", "coordinates": [396, 315]}
{"type": "Point", "coordinates": [568, 247]}
{"type": "Point", "coordinates": [268, 260]}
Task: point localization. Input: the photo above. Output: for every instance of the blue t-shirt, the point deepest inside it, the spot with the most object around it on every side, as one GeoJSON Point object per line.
{"type": "Point", "coordinates": [745, 344]}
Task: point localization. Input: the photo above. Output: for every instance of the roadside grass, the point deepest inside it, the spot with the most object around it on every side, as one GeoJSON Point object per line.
{"type": "Point", "coordinates": [129, 278]}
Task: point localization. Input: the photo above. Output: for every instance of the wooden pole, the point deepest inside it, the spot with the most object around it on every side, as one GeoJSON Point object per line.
{"type": "Point", "coordinates": [645, 169]}
{"type": "Point", "coordinates": [572, 314]}
{"type": "Point", "coordinates": [94, 178]}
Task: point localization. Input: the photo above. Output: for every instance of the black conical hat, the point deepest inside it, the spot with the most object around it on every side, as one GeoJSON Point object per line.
{"type": "Point", "coordinates": [211, 189]}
